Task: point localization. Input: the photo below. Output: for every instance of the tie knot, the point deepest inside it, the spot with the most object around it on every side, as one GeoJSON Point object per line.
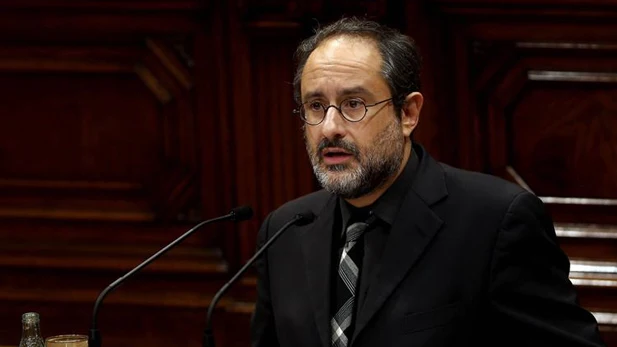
{"type": "Point", "coordinates": [354, 231]}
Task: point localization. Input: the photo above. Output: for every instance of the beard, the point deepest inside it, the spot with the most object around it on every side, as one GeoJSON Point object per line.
{"type": "Point", "coordinates": [369, 168]}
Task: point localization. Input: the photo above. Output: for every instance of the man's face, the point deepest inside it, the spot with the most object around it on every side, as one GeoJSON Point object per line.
{"type": "Point", "coordinates": [351, 159]}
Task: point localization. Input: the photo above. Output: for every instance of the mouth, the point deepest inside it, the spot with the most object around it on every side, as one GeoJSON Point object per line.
{"type": "Point", "coordinates": [334, 156]}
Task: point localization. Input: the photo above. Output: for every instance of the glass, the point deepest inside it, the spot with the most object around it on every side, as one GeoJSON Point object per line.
{"type": "Point", "coordinates": [67, 341]}
{"type": "Point", "coordinates": [353, 110]}
{"type": "Point", "coordinates": [31, 330]}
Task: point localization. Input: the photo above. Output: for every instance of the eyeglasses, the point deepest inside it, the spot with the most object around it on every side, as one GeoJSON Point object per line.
{"type": "Point", "coordinates": [352, 110]}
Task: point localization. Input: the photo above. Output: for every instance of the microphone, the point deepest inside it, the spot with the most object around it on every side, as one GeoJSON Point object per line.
{"type": "Point", "coordinates": [300, 219]}
{"type": "Point", "coordinates": [237, 214]}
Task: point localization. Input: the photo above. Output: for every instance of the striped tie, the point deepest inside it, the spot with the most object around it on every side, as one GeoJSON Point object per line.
{"type": "Point", "coordinates": [342, 322]}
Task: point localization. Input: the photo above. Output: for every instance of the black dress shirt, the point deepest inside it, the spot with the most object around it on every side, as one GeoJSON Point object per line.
{"type": "Point", "coordinates": [385, 208]}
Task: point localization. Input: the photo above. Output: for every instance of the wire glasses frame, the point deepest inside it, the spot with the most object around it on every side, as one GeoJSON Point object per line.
{"type": "Point", "coordinates": [352, 110]}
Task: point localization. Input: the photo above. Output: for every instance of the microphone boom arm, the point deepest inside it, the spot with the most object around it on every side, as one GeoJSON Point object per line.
{"type": "Point", "coordinates": [240, 213]}
{"type": "Point", "coordinates": [208, 338]}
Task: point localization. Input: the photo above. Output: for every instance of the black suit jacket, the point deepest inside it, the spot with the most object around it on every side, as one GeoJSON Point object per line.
{"type": "Point", "coordinates": [471, 260]}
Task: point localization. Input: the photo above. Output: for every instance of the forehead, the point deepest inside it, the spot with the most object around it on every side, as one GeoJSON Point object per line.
{"type": "Point", "coordinates": [343, 62]}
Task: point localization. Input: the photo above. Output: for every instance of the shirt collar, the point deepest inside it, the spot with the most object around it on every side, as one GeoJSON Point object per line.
{"type": "Point", "coordinates": [387, 205]}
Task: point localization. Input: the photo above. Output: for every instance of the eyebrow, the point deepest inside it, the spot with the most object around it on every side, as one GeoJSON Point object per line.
{"type": "Point", "coordinates": [344, 92]}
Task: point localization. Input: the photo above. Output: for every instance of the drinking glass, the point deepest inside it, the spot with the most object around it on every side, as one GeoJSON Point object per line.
{"type": "Point", "coordinates": [67, 341]}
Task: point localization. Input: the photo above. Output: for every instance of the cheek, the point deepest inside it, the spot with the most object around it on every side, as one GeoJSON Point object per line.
{"type": "Point", "coordinates": [311, 135]}
{"type": "Point", "coordinates": [364, 140]}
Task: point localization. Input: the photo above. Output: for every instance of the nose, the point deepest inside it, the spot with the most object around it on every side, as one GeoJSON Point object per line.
{"type": "Point", "coordinates": [333, 124]}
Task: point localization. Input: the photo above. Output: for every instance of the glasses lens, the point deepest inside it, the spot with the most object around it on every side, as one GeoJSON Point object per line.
{"type": "Point", "coordinates": [312, 112]}
{"type": "Point", "coordinates": [353, 109]}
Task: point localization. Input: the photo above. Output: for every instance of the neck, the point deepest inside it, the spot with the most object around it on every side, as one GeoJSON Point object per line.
{"type": "Point", "coordinates": [374, 195]}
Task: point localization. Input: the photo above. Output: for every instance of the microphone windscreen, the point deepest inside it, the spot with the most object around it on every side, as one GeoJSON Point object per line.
{"type": "Point", "coordinates": [241, 213]}
{"type": "Point", "coordinates": [305, 218]}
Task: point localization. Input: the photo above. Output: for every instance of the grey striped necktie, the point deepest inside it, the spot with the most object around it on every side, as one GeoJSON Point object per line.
{"type": "Point", "coordinates": [349, 271]}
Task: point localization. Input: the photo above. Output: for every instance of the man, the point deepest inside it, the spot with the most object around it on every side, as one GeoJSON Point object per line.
{"type": "Point", "coordinates": [404, 251]}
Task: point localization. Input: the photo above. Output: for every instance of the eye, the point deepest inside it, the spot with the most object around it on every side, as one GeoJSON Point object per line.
{"type": "Point", "coordinates": [314, 106]}
{"type": "Point", "coordinates": [353, 104]}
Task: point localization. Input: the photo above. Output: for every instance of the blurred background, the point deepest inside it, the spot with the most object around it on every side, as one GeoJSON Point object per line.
{"type": "Point", "coordinates": [124, 123]}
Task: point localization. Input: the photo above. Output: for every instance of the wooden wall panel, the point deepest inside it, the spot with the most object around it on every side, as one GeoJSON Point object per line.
{"type": "Point", "coordinates": [273, 166]}
{"type": "Point", "coordinates": [575, 154]}
{"type": "Point", "coordinates": [42, 135]}
{"type": "Point", "coordinates": [70, 110]}
{"type": "Point", "coordinates": [438, 128]}
{"type": "Point", "coordinates": [100, 163]}
{"type": "Point", "coordinates": [125, 122]}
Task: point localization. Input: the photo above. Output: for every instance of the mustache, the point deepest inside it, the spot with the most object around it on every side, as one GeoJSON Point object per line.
{"type": "Point", "coordinates": [338, 143]}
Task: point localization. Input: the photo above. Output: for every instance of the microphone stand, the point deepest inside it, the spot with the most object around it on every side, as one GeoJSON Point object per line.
{"type": "Point", "coordinates": [94, 339]}
{"type": "Point", "coordinates": [208, 338]}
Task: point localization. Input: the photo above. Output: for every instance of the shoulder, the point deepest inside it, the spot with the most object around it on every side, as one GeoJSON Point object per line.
{"type": "Point", "coordinates": [480, 206]}
{"type": "Point", "coordinates": [479, 187]}
{"type": "Point", "coordinates": [461, 190]}
{"type": "Point", "coordinates": [475, 196]}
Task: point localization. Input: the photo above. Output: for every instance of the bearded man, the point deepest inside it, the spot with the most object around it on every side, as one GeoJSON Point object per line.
{"type": "Point", "coordinates": [404, 251]}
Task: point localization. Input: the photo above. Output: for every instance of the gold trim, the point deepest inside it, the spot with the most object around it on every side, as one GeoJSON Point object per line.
{"type": "Point", "coordinates": [159, 52]}
{"type": "Point", "coordinates": [60, 65]}
{"type": "Point", "coordinates": [56, 184]}
{"type": "Point", "coordinates": [586, 231]}
{"type": "Point", "coordinates": [517, 178]}
{"type": "Point", "coordinates": [265, 24]}
{"type": "Point", "coordinates": [560, 200]}
{"type": "Point", "coordinates": [593, 273]}
{"type": "Point", "coordinates": [593, 266]}
{"type": "Point", "coordinates": [606, 318]}
{"type": "Point", "coordinates": [74, 214]}
{"type": "Point", "coordinates": [572, 76]}
{"type": "Point", "coordinates": [578, 201]}
{"type": "Point", "coordinates": [567, 45]}
{"type": "Point", "coordinates": [593, 283]}
{"type": "Point", "coordinates": [153, 84]}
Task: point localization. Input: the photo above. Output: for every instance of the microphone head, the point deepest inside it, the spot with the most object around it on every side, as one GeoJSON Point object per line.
{"type": "Point", "coordinates": [305, 218]}
{"type": "Point", "coordinates": [241, 213]}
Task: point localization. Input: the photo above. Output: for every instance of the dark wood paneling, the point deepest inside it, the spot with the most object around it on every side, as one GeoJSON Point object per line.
{"type": "Point", "coordinates": [70, 110]}
{"type": "Point", "coordinates": [100, 166]}
{"type": "Point", "coordinates": [437, 130]}
{"type": "Point", "coordinates": [124, 122]}
{"type": "Point", "coordinates": [584, 131]}
{"type": "Point", "coordinates": [272, 166]}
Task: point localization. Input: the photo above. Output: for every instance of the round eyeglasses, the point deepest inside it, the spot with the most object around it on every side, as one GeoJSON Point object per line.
{"type": "Point", "coordinates": [352, 110]}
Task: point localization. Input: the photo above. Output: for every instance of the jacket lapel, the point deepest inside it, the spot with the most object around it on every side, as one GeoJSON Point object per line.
{"type": "Point", "coordinates": [413, 229]}
{"type": "Point", "coordinates": [316, 243]}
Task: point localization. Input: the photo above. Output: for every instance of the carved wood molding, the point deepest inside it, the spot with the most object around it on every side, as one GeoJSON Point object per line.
{"type": "Point", "coordinates": [606, 318]}
{"type": "Point", "coordinates": [167, 194]}
{"type": "Point", "coordinates": [530, 9]}
{"type": "Point", "coordinates": [110, 258]}
{"type": "Point", "coordinates": [589, 231]}
{"type": "Point", "coordinates": [185, 277]}
{"type": "Point", "coordinates": [293, 9]}
{"type": "Point", "coordinates": [503, 74]}
{"type": "Point", "coordinates": [151, 5]}
{"type": "Point", "coordinates": [293, 18]}
{"type": "Point", "coordinates": [558, 200]}
{"type": "Point", "coordinates": [572, 76]}
{"type": "Point", "coordinates": [161, 298]}
{"type": "Point", "coordinates": [91, 19]}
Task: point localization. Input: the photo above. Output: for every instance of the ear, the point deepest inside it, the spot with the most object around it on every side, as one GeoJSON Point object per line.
{"type": "Point", "coordinates": [410, 113]}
